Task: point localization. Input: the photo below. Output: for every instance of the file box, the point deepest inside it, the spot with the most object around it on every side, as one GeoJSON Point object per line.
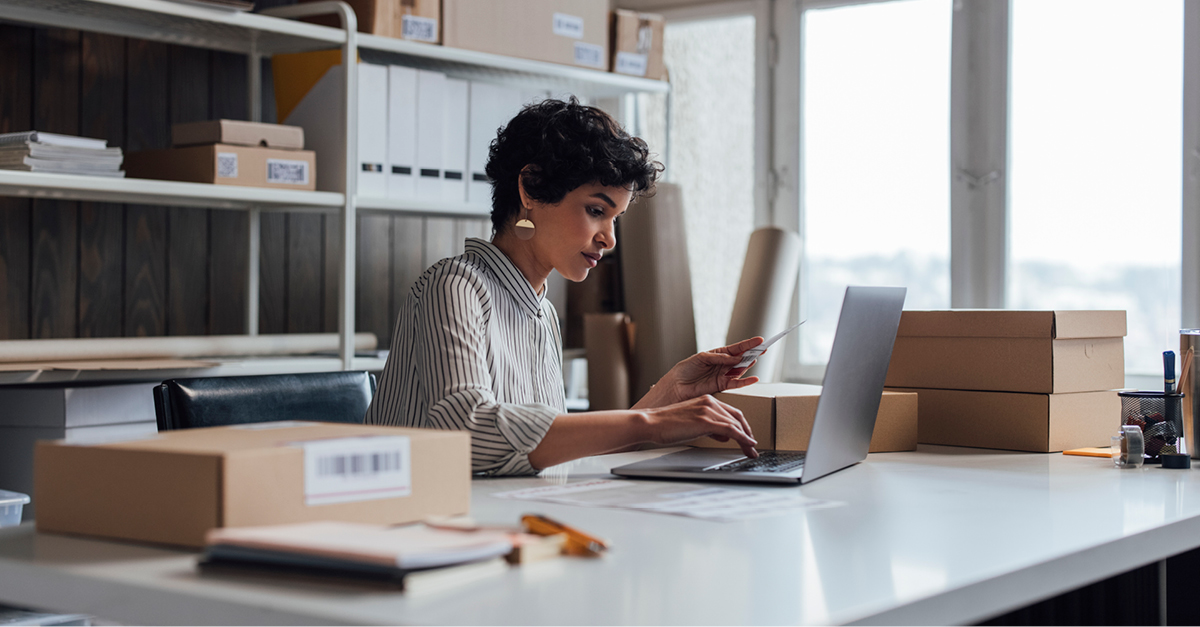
{"type": "Point", "coordinates": [1038, 423]}
{"type": "Point", "coordinates": [415, 20]}
{"type": "Point", "coordinates": [1047, 352]}
{"type": "Point", "coordinates": [637, 44]}
{"type": "Point", "coordinates": [172, 487]}
{"type": "Point", "coordinates": [574, 32]}
{"type": "Point", "coordinates": [781, 416]}
{"type": "Point", "coordinates": [227, 164]}
{"type": "Point", "coordinates": [239, 133]}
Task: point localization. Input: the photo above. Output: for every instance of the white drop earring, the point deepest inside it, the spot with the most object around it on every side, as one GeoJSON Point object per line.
{"type": "Point", "coordinates": [525, 228]}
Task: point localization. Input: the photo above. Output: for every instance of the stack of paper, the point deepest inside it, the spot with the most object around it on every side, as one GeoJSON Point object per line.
{"type": "Point", "coordinates": [34, 151]}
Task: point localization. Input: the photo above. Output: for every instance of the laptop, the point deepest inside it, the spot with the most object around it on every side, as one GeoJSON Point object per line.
{"type": "Point", "coordinates": [845, 419]}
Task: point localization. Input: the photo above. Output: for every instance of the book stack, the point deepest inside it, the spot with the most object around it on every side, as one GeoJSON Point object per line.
{"type": "Point", "coordinates": [35, 151]}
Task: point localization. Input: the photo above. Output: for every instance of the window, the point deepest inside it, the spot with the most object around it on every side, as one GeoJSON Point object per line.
{"type": "Point", "coordinates": [1094, 196]}
{"type": "Point", "coordinates": [876, 144]}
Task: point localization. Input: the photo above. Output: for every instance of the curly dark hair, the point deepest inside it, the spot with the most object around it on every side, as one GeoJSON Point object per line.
{"type": "Point", "coordinates": [557, 146]}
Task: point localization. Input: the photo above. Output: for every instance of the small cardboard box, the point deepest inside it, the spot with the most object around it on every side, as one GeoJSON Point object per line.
{"type": "Point", "coordinates": [781, 417]}
{"type": "Point", "coordinates": [637, 46]}
{"type": "Point", "coordinates": [174, 486]}
{"type": "Point", "coordinates": [1048, 352]}
{"type": "Point", "coordinates": [574, 32]}
{"type": "Point", "coordinates": [238, 133]}
{"type": "Point", "coordinates": [415, 20]}
{"type": "Point", "coordinates": [226, 164]}
{"type": "Point", "coordinates": [1039, 423]}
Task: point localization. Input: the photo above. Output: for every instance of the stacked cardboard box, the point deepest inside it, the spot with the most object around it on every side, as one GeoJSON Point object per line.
{"type": "Point", "coordinates": [1041, 381]}
{"type": "Point", "coordinates": [414, 20]}
{"type": "Point", "coordinates": [230, 152]}
{"type": "Point", "coordinates": [574, 32]}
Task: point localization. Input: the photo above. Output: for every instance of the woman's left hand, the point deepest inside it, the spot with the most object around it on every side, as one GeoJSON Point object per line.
{"type": "Point", "coordinates": [700, 374]}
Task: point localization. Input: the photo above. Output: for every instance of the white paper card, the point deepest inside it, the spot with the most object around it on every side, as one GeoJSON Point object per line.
{"type": "Point", "coordinates": [227, 165]}
{"type": "Point", "coordinates": [631, 63]}
{"type": "Point", "coordinates": [418, 28]}
{"type": "Point", "coordinates": [568, 25]}
{"type": "Point", "coordinates": [287, 171]}
{"type": "Point", "coordinates": [344, 470]}
{"type": "Point", "coordinates": [590, 55]}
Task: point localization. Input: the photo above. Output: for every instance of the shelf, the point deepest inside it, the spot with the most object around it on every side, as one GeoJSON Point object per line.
{"type": "Point", "coordinates": [423, 208]}
{"type": "Point", "coordinates": [172, 193]}
{"type": "Point", "coordinates": [176, 23]}
{"type": "Point", "coordinates": [482, 66]}
{"type": "Point", "coordinates": [226, 367]}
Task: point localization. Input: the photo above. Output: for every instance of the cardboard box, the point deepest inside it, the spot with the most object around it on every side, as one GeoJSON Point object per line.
{"type": "Point", "coordinates": [574, 32]}
{"type": "Point", "coordinates": [1039, 423]}
{"type": "Point", "coordinates": [1048, 352]}
{"type": "Point", "coordinates": [415, 20]}
{"type": "Point", "coordinates": [238, 133]}
{"type": "Point", "coordinates": [174, 486]}
{"type": "Point", "coordinates": [226, 164]}
{"type": "Point", "coordinates": [637, 44]}
{"type": "Point", "coordinates": [781, 417]}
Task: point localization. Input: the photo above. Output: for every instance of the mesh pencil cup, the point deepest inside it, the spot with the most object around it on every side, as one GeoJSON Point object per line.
{"type": "Point", "coordinates": [1160, 417]}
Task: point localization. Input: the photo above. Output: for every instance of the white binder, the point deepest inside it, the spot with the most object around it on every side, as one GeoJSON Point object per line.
{"type": "Point", "coordinates": [492, 107]}
{"type": "Point", "coordinates": [401, 169]}
{"type": "Point", "coordinates": [372, 130]}
{"type": "Point", "coordinates": [454, 147]}
{"type": "Point", "coordinates": [431, 88]}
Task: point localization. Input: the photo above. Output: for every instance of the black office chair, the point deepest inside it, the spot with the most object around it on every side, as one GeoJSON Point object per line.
{"type": "Point", "coordinates": [218, 401]}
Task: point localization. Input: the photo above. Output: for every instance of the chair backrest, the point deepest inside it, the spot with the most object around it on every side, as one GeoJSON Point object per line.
{"type": "Point", "coordinates": [217, 401]}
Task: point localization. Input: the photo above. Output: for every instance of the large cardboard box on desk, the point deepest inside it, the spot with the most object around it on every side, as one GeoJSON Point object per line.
{"type": "Point", "coordinates": [1048, 352]}
{"type": "Point", "coordinates": [1039, 423]}
{"type": "Point", "coordinates": [574, 32]}
{"type": "Point", "coordinates": [781, 416]}
{"type": "Point", "coordinates": [173, 487]}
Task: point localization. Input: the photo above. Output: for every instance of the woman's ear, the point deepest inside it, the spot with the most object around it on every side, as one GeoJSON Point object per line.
{"type": "Point", "coordinates": [526, 201]}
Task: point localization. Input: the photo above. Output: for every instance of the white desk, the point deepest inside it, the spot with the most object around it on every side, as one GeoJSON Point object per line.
{"type": "Point", "coordinates": [942, 535]}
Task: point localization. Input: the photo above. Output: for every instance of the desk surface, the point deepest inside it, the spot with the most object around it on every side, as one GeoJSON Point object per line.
{"type": "Point", "coordinates": [941, 535]}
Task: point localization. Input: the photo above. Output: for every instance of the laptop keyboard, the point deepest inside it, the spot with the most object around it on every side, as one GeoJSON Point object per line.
{"type": "Point", "coordinates": [767, 461]}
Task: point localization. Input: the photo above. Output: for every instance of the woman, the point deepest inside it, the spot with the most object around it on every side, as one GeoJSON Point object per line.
{"type": "Point", "coordinates": [477, 346]}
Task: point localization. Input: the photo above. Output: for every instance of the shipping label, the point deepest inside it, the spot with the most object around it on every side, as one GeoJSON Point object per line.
{"type": "Point", "coordinates": [345, 470]}
{"type": "Point", "coordinates": [287, 172]}
{"type": "Point", "coordinates": [631, 63]}
{"type": "Point", "coordinates": [227, 165]}
{"type": "Point", "coordinates": [590, 55]}
{"type": "Point", "coordinates": [418, 28]}
{"type": "Point", "coordinates": [568, 25]}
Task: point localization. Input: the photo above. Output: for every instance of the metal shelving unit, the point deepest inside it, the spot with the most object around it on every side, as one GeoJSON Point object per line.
{"type": "Point", "coordinates": [257, 35]}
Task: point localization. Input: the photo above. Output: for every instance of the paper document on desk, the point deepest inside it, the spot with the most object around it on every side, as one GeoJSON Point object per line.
{"type": "Point", "coordinates": [681, 499]}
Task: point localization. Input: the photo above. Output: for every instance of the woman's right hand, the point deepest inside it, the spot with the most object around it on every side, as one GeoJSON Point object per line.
{"type": "Point", "coordinates": [699, 417]}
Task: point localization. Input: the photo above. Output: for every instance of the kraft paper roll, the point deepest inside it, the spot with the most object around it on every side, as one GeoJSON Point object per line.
{"type": "Point", "coordinates": [606, 338]}
{"type": "Point", "coordinates": [764, 297]}
{"type": "Point", "coordinates": [77, 349]}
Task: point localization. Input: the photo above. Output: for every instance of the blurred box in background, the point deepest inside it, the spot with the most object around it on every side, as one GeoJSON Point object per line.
{"type": "Point", "coordinates": [574, 32]}
{"type": "Point", "coordinates": [637, 46]}
{"type": "Point", "coordinates": [415, 20]}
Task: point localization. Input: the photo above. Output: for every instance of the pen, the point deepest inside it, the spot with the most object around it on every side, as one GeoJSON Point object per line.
{"type": "Point", "coordinates": [1169, 372]}
{"type": "Point", "coordinates": [578, 542]}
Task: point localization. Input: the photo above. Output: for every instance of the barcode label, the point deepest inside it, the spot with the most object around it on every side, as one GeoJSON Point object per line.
{"type": "Point", "coordinates": [631, 63]}
{"type": "Point", "coordinates": [590, 55]}
{"type": "Point", "coordinates": [287, 172]}
{"type": "Point", "coordinates": [568, 25]}
{"type": "Point", "coordinates": [418, 28]}
{"type": "Point", "coordinates": [226, 165]}
{"type": "Point", "coordinates": [345, 470]}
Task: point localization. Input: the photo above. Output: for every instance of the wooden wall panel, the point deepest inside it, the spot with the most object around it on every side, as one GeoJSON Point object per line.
{"type": "Point", "coordinates": [147, 127]}
{"type": "Point", "coordinates": [102, 225]}
{"type": "Point", "coordinates": [331, 271]}
{"type": "Point", "coordinates": [187, 228]}
{"type": "Point", "coordinates": [16, 114]}
{"type": "Point", "coordinates": [54, 226]}
{"type": "Point", "coordinates": [305, 268]}
{"type": "Point", "coordinates": [439, 240]}
{"type": "Point", "coordinates": [272, 286]}
{"type": "Point", "coordinates": [229, 247]}
{"type": "Point", "coordinates": [408, 258]}
{"type": "Point", "coordinates": [372, 308]}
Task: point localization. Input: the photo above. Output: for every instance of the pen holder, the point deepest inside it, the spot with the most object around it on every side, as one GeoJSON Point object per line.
{"type": "Point", "coordinates": [1160, 417]}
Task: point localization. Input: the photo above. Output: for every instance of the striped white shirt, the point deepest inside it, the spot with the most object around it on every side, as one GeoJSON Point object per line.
{"type": "Point", "coordinates": [475, 349]}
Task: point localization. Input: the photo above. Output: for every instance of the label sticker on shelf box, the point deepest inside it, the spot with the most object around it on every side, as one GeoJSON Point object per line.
{"type": "Point", "coordinates": [631, 63]}
{"type": "Point", "coordinates": [227, 165]}
{"type": "Point", "coordinates": [287, 171]}
{"type": "Point", "coordinates": [345, 470]}
{"type": "Point", "coordinates": [568, 25]}
{"type": "Point", "coordinates": [418, 28]}
{"type": "Point", "coordinates": [590, 55]}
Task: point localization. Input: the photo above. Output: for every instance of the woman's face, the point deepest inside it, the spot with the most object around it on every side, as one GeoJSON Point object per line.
{"type": "Point", "coordinates": [572, 235]}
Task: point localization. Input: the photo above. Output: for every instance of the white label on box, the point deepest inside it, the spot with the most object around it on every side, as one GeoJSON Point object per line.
{"type": "Point", "coordinates": [645, 39]}
{"type": "Point", "coordinates": [418, 28]}
{"type": "Point", "coordinates": [226, 165]}
{"type": "Point", "coordinates": [287, 172]}
{"type": "Point", "coordinates": [345, 470]}
{"type": "Point", "coordinates": [568, 25]}
{"type": "Point", "coordinates": [631, 63]}
{"type": "Point", "coordinates": [590, 55]}
{"type": "Point", "coordinates": [282, 424]}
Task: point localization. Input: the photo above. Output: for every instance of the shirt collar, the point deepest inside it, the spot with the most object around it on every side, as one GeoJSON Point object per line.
{"type": "Point", "coordinates": [507, 273]}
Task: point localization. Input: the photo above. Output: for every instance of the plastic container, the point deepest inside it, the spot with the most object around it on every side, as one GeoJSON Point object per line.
{"type": "Point", "coordinates": [11, 504]}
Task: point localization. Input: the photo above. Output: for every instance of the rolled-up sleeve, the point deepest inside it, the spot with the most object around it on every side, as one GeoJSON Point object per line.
{"type": "Point", "coordinates": [451, 356]}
